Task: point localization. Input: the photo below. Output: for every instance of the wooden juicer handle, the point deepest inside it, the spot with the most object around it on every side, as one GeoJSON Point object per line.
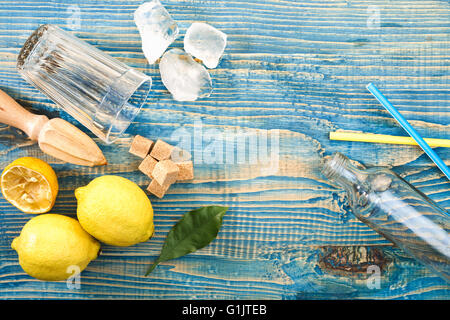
{"type": "Point", "coordinates": [13, 114]}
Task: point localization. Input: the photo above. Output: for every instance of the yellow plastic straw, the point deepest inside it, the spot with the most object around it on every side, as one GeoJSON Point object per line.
{"type": "Point", "coordinates": [384, 138]}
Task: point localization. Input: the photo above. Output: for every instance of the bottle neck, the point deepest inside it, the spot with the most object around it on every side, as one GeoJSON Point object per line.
{"type": "Point", "coordinates": [339, 169]}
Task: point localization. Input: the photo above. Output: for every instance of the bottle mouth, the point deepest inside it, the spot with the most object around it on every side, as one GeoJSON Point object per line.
{"type": "Point", "coordinates": [334, 165]}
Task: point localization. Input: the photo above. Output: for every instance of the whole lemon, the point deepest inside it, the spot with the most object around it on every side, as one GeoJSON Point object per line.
{"type": "Point", "coordinates": [50, 245]}
{"type": "Point", "coordinates": [115, 211]}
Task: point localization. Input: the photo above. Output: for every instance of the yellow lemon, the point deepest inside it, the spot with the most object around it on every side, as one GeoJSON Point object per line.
{"type": "Point", "coordinates": [52, 247]}
{"type": "Point", "coordinates": [30, 185]}
{"type": "Point", "coordinates": [115, 211]}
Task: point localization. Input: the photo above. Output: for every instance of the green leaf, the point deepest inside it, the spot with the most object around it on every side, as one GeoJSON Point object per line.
{"type": "Point", "coordinates": [195, 230]}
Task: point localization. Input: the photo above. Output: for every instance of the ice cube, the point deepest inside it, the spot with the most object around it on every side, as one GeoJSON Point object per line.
{"type": "Point", "coordinates": [156, 27]}
{"type": "Point", "coordinates": [205, 42]}
{"type": "Point", "coordinates": [185, 78]}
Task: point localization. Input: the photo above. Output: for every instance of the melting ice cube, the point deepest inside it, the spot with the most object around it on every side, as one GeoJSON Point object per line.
{"type": "Point", "coordinates": [205, 43]}
{"type": "Point", "coordinates": [185, 79]}
{"type": "Point", "coordinates": [156, 27]}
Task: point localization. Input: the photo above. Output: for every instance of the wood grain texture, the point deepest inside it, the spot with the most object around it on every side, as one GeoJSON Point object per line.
{"type": "Point", "coordinates": [299, 67]}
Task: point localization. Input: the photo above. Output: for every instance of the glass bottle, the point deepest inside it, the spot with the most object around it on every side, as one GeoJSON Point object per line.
{"type": "Point", "coordinates": [397, 210]}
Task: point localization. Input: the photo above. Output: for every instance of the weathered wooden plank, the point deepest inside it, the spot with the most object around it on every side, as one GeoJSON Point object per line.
{"type": "Point", "coordinates": [296, 66]}
{"type": "Point", "coordinates": [278, 272]}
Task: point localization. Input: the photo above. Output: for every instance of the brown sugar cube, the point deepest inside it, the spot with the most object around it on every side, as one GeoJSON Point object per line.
{"type": "Point", "coordinates": [147, 166]}
{"type": "Point", "coordinates": [165, 172]}
{"type": "Point", "coordinates": [186, 170]}
{"type": "Point", "coordinates": [140, 146]}
{"type": "Point", "coordinates": [158, 190]}
{"type": "Point", "coordinates": [161, 150]}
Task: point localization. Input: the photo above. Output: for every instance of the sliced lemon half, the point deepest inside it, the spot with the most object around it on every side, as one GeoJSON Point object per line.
{"type": "Point", "coordinates": [30, 185]}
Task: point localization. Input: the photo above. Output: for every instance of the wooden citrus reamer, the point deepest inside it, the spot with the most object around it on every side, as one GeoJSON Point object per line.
{"type": "Point", "coordinates": [56, 136]}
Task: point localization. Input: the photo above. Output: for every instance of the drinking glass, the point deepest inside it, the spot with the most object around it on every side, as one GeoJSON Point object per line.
{"type": "Point", "coordinates": [102, 93]}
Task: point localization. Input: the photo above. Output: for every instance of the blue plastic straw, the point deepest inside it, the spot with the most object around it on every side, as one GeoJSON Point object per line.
{"type": "Point", "coordinates": [411, 131]}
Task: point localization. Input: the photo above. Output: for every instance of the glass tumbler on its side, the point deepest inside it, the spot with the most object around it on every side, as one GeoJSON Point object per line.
{"type": "Point", "coordinates": [102, 93]}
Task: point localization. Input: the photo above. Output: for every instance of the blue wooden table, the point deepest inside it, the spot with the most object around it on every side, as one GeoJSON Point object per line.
{"type": "Point", "coordinates": [294, 70]}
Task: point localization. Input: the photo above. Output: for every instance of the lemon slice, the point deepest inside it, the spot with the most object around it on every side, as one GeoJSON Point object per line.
{"type": "Point", "coordinates": [30, 185]}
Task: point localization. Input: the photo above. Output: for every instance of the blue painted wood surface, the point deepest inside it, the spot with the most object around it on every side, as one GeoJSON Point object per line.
{"type": "Point", "coordinates": [297, 66]}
